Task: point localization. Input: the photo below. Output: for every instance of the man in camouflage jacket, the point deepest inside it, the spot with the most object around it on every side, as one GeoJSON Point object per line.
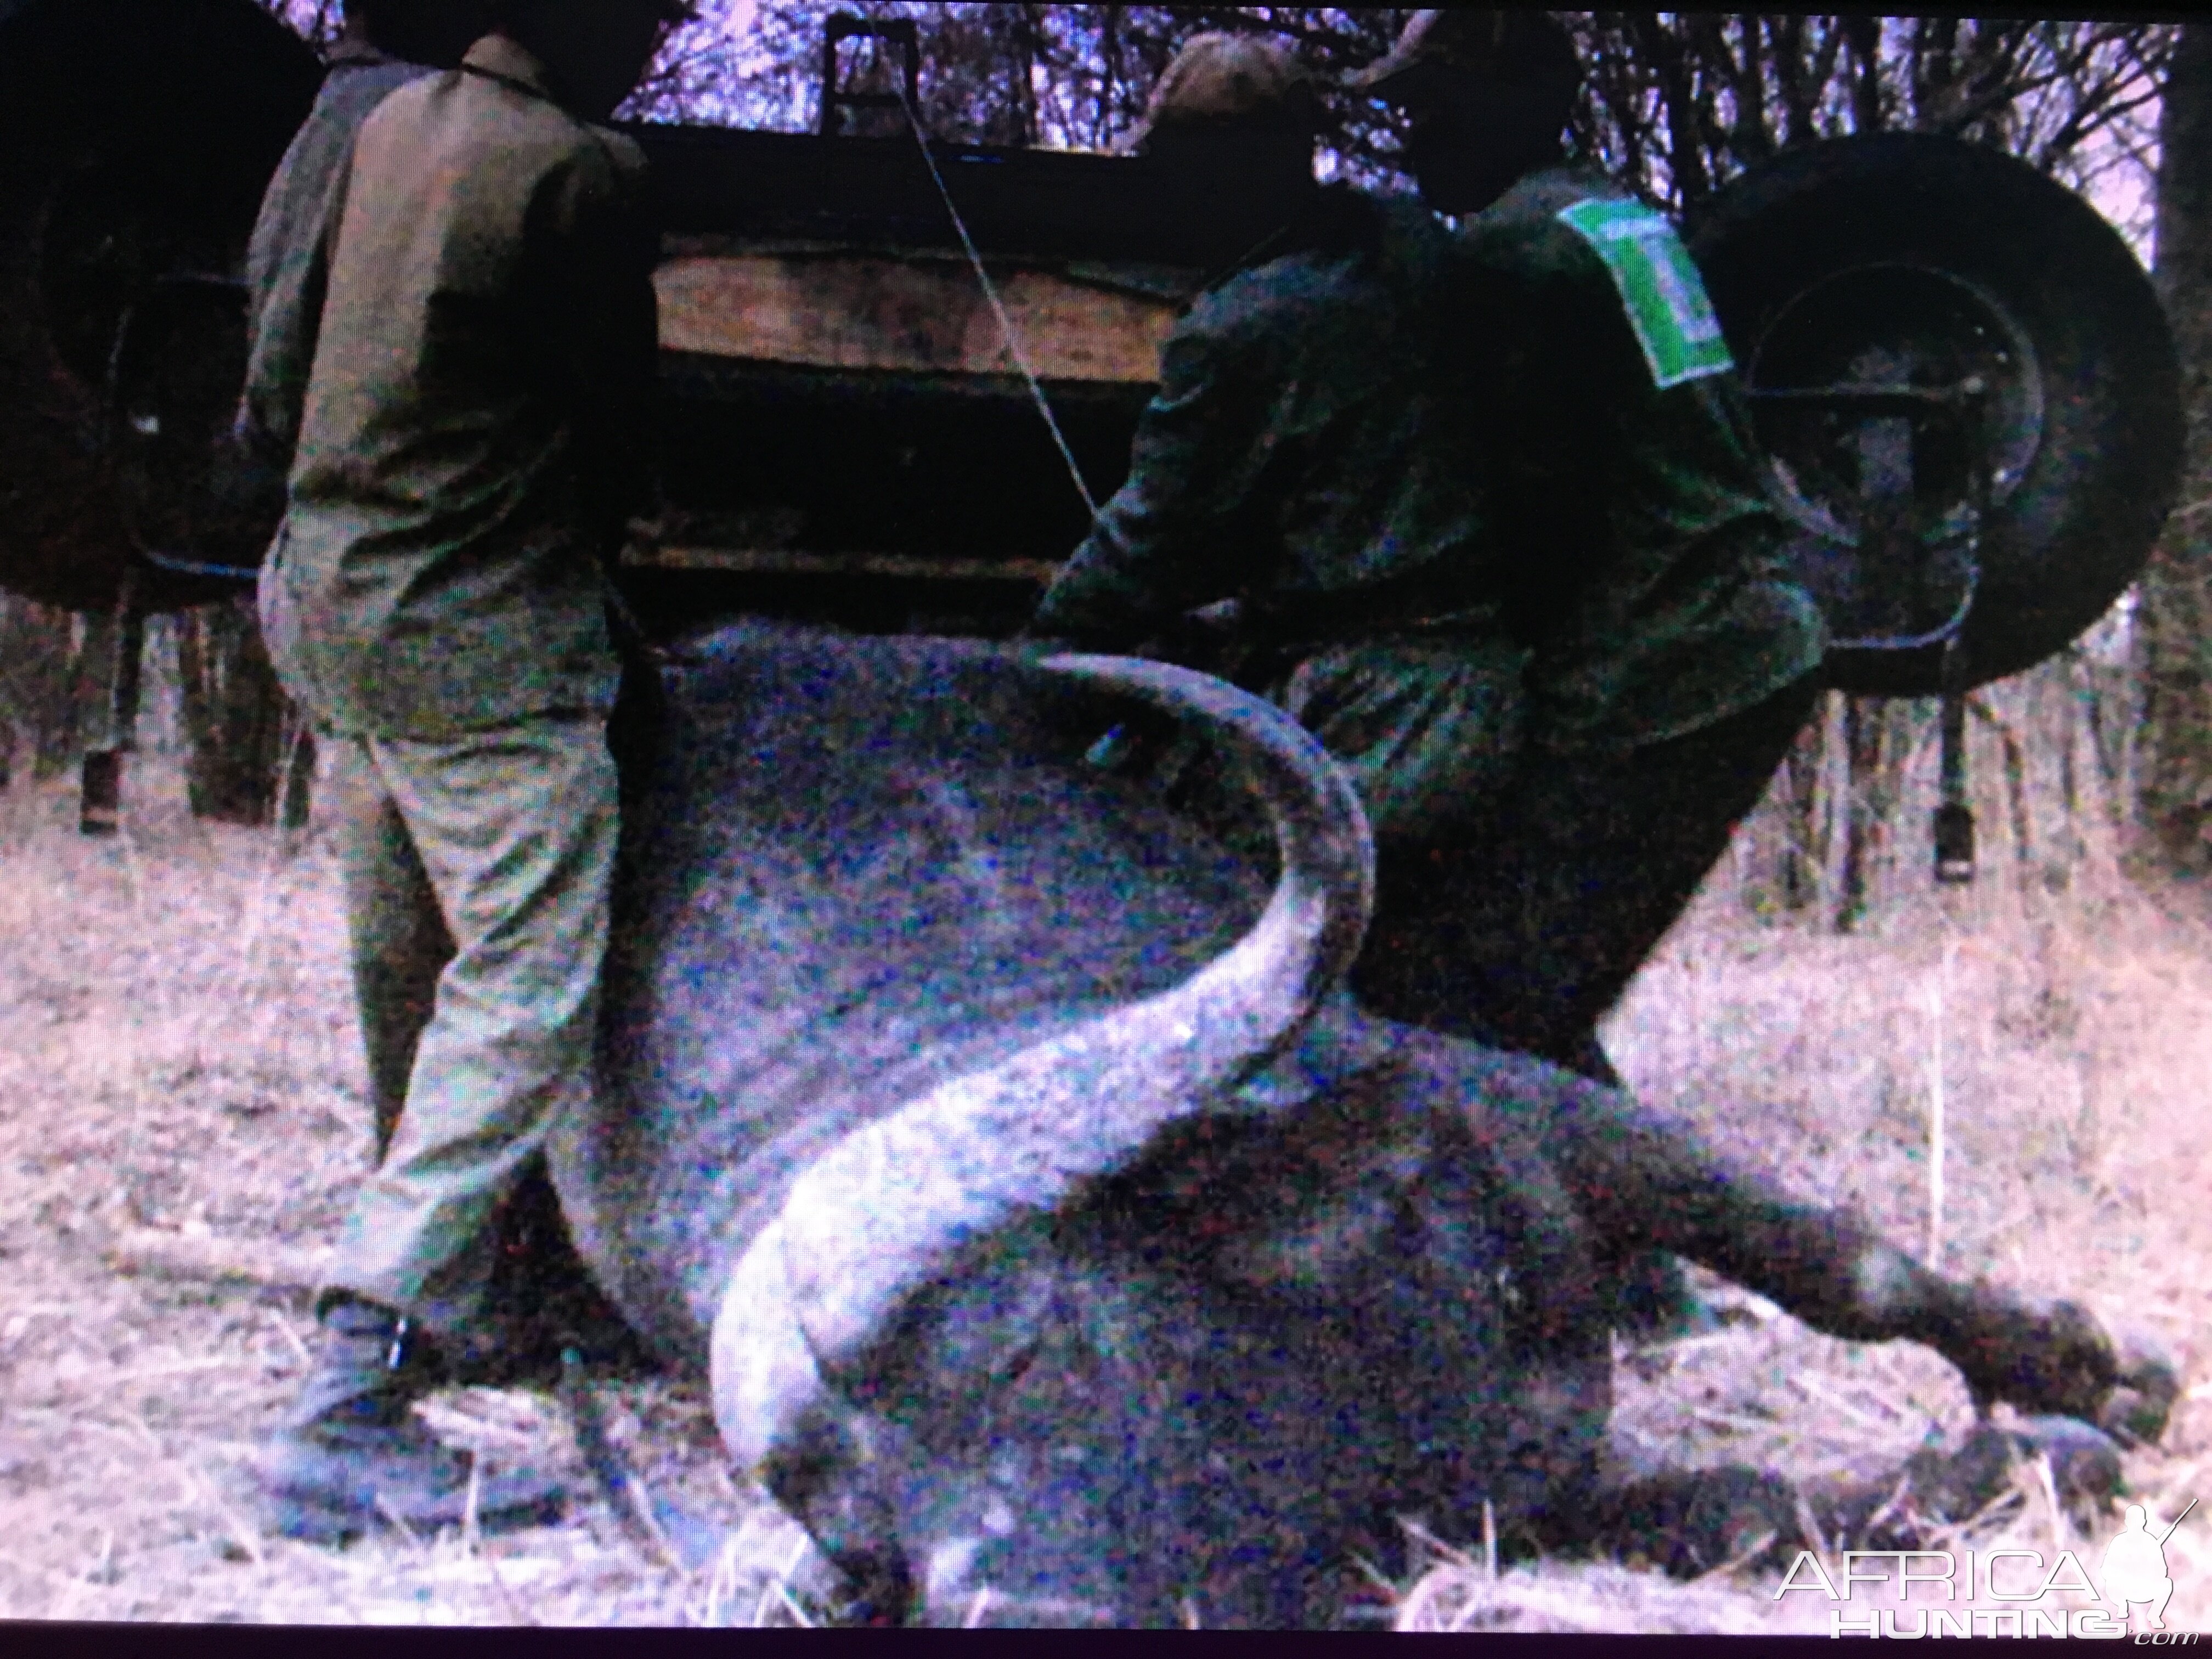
{"type": "Point", "coordinates": [1492, 506]}
{"type": "Point", "coordinates": [1303, 456]}
{"type": "Point", "coordinates": [1674, 657]}
{"type": "Point", "coordinates": [468, 439]}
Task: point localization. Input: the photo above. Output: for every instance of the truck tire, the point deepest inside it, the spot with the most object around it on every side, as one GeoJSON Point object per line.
{"type": "Point", "coordinates": [135, 138]}
{"type": "Point", "coordinates": [1939, 257]}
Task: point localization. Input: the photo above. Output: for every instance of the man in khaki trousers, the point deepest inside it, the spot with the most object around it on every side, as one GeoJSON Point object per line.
{"type": "Point", "coordinates": [466, 458]}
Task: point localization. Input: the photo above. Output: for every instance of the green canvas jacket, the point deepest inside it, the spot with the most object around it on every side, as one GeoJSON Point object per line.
{"type": "Point", "coordinates": [1300, 454]}
{"type": "Point", "coordinates": [1305, 455]}
{"type": "Point", "coordinates": [1390, 442]}
{"type": "Point", "coordinates": [1643, 552]}
{"type": "Point", "coordinates": [286, 274]}
{"type": "Point", "coordinates": [472, 436]}
{"type": "Point", "coordinates": [1308, 456]}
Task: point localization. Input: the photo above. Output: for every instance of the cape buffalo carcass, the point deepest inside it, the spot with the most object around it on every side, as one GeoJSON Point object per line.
{"type": "Point", "coordinates": [1058, 1240]}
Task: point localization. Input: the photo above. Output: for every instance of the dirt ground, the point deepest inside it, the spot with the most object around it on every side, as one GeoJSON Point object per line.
{"type": "Point", "coordinates": [182, 1123]}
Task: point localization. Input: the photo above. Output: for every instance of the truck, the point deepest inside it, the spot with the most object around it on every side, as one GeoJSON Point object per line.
{"type": "Point", "coordinates": [888, 361]}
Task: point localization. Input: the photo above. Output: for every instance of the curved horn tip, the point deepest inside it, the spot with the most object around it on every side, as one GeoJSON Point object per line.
{"type": "Point", "coordinates": [1321, 827]}
{"type": "Point", "coordinates": [761, 1367]}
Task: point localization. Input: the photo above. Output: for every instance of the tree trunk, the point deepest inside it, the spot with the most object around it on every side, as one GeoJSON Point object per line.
{"type": "Point", "coordinates": [91, 678]}
{"type": "Point", "coordinates": [1804, 847]}
{"type": "Point", "coordinates": [2016, 782]}
{"type": "Point", "coordinates": [17, 643]}
{"type": "Point", "coordinates": [40, 656]}
{"type": "Point", "coordinates": [2073, 843]}
{"type": "Point", "coordinates": [2176, 613]}
{"type": "Point", "coordinates": [1860, 735]}
{"type": "Point", "coordinates": [243, 740]}
{"type": "Point", "coordinates": [1872, 751]}
{"type": "Point", "coordinates": [13, 723]}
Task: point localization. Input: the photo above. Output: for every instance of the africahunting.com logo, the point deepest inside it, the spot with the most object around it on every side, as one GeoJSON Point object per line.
{"type": "Point", "coordinates": [2131, 1582]}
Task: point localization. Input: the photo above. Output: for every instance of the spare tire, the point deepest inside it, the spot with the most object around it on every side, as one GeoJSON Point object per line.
{"type": "Point", "coordinates": [135, 138]}
{"type": "Point", "coordinates": [1919, 261]}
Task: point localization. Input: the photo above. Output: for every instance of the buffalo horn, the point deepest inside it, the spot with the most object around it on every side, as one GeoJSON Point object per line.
{"type": "Point", "coordinates": [881, 1216]}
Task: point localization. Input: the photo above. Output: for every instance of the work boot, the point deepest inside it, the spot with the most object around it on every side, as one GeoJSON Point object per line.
{"type": "Point", "coordinates": [352, 1450]}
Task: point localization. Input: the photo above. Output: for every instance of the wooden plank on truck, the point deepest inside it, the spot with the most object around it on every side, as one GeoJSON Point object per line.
{"type": "Point", "coordinates": [927, 315]}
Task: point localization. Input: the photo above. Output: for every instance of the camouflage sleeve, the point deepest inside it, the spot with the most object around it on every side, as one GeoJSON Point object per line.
{"type": "Point", "coordinates": [1180, 531]}
{"type": "Point", "coordinates": [1677, 460]}
{"type": "Point", "coordinates": [287, 272]}
{"type": "Point", "coordinates": [1604, 467]}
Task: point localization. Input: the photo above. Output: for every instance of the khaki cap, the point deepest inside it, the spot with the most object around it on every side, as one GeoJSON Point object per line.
{"type": "Point", "coordinates": [1228, 80]}
{"type": "Point", "coordinates": [1512, 47]}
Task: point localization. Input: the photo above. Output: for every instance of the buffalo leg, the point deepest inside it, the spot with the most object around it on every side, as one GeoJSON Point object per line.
{"type": "Point", "coordinates": [1689, 1522]}
{"type": "Point", "coordinates": [1644, 1181]}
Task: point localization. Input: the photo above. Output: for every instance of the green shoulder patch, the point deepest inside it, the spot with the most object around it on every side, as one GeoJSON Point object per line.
{"type": "Point", "coordinates": [1659, 286]}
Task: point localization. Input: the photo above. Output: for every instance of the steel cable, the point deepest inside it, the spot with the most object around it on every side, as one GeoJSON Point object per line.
{"type": "Point", "coordinates": [998, 307]}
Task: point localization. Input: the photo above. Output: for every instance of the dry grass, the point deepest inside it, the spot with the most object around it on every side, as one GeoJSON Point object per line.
{"type": "Point", "coordinates": [177, 1054]}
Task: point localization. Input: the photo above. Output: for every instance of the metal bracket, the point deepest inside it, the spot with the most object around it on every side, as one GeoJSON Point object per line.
{"type": "Point", "coordinates": [1888, 513]}
{"type": "Point", "coordinates": [1967, 400]}
{"type": "Point", "coordinates": [1954, 825]}
{"type": "Point", "coordinates": [900, 31]}
{"type": "Point", "coordinates": [1955, 817]}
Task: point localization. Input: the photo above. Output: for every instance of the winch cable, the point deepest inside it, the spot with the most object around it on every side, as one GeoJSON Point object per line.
{"type": "Point", "coordinates": [998, 307]}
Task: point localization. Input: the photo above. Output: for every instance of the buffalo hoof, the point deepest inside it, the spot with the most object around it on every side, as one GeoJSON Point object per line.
{"type": "Point", "coordinates": [1688, 1522]}
{"type": "Point", "coordinates": [1938, 1488]}
{"type": "Point", "coordinates": [2054, 1359]}
{"type": "Point", "coordinates": [2136, 1412]}
{"type": "Point", "coordinates": [2085, 1463]}
{"type": "Point", "coordinates": [2045, 1358]}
